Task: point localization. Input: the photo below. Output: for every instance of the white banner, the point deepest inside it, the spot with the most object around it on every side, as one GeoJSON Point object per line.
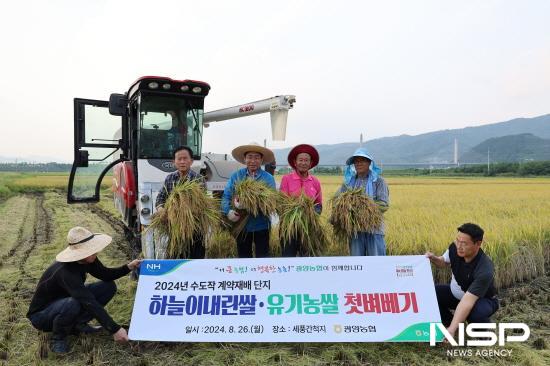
{"type": "Point", "coordinates": [321, 299]}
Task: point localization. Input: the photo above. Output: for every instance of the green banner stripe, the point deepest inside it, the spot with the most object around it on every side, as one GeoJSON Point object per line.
{"type": "Point", "coordinates": [419, 332]}
{"type": "Point", "coordinates": [178, 266]}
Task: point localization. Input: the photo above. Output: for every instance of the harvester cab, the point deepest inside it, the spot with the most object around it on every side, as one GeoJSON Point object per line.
{"type": "Point", "coordinates": [134, 135]}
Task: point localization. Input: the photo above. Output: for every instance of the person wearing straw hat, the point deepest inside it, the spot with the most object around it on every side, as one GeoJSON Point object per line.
{"type": "Point", "coordinates": [62, 304]}
{"type": "Point", "coordinates": [362, 172]}
{"type": "Point", "coordinates": [257, 228]}
{"type": "Point", "coordinates": [301, 158]}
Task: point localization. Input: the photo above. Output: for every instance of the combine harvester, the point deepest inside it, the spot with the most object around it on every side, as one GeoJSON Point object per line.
{"type": "Point", "coordinates": [155, 116]}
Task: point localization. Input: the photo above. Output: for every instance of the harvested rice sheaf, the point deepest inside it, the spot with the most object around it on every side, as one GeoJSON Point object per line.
{"type": "Point", "coordinates": [189, 213]}
{"type": "Point", "coordinates": [221, 245]}
{"type": "Point", "coordinates": [352, 212]}
{"type": "Point", "coordinates": [298, 220]}
{"type": "Point", "coordinates": [255, 198]}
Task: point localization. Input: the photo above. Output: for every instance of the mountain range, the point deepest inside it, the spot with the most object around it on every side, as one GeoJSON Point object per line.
{"type": "Point", "coordinates": [511, 148]}
{"type": "Point", "coordinates": [526, 137]}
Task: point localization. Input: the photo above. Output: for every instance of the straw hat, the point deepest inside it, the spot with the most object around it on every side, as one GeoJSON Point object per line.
{"type": "Point", "coordinates": [239, 152]}
{"type": "Point", "coordinates": [303, 148]}
{"type": "Point", "coordinates": [82, 243]}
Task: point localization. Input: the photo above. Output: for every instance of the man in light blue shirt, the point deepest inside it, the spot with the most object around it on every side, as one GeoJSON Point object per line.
{"type": "Point", "coordinates": [257, 227]}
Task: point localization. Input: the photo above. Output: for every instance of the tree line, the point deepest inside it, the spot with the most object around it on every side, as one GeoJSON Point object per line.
{"type": "Point", "coordinates": [35, 167]}
{"type": "Point", "coordinates": [529, 168]}
{"type": "Point", "coordinates": [520, 169]}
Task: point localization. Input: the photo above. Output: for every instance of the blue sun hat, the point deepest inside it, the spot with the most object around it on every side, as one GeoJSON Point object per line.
{"type": "Point", "coordinates": [350, 172]}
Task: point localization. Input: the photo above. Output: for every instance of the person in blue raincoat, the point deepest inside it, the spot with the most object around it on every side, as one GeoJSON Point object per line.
{"type": "Point", "coordinates": [362, 172]}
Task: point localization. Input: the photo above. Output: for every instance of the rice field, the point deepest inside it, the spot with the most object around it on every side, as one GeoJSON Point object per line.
{"type": "Point", "coordinates": [424, 213]}
{"type": "Point", "coordinates": [13, 183]}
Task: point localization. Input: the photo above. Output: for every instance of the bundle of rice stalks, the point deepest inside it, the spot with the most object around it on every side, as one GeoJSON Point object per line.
{"type": "Point", "coordinates": [188, 214]}
{"type": "Point", "coordinates": [275, 250]}
{"type": "Point", "coordinates": [299, 221]}
{"type": "Point", "coordinates": [255, 198]}
{"type": "Point", "coordinates": [221, 245]}
{"type": "Point", "coordinates": [352, 212]}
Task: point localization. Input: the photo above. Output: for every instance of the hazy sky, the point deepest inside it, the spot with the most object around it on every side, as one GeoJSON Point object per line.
{"type": "Point", "coordinates": [380, 68]}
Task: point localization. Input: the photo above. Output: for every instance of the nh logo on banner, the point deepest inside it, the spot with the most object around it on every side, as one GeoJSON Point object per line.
{"type": "Point", "coordinates": [153, 266]}
{"type": "Point", "coordinates": [481, 334]}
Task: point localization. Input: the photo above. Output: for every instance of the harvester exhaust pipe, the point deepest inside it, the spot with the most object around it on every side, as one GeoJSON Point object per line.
{"type": "Point", "coordinates": [277, 106]}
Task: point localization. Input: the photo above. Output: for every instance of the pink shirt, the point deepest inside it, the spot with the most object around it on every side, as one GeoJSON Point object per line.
{"type": "Point", "coordinates": [292, 184]}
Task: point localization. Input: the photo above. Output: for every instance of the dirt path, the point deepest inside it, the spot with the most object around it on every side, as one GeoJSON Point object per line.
{"type": "Point", "coordinates": [36, 220]}
{"type": "Point", "coordinates": [15, 210]}
{"type": "Point", "coordinates": [41, 234]}
{"type": "Point", "coordinates": [35, 228]}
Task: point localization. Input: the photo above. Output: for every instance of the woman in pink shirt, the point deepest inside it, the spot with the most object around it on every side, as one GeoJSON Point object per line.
{"type": "Point", "coordinates": [301, 158]}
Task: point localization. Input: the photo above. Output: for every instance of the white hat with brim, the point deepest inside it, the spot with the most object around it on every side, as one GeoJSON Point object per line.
{"type": "Point", "coordinates": [82, 243]}
{"type": "Point", "coordinates": [361, 152]}
{"type": "Point", "coordinates": [240, 151]}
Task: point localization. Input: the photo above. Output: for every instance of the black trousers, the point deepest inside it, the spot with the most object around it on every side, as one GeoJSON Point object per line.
{"type": "Point", "coordinates": [259, 238]}
{"type": "Point", "coordinates": [480, 313]}
{"type": "Point", "coordinates": [290, 248]}
{"type": "Point", "coordinates": [62, 315]}
{"type": "Point", "coordinates": [198, 250]}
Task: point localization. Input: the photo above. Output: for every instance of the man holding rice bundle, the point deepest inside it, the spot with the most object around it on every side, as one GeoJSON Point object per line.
{"type": "Point", "coordinates": [363, 173]}
{"type": "Point", "coordinates": [183, 159]}
{"type": "Point", "coordinates": [257, 227]}
{"type": "Point", "coordinates": [301, 158]}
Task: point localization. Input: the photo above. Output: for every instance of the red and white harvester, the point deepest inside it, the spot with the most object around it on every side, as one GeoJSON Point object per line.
{"type": "Point", "coordinates": [135, 134]}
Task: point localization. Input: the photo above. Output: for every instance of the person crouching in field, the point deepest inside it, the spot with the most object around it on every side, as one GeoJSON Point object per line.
{"type": "Point", "coordinates": [183, 159]}
{"type": "Point", "coordinates": [301, 158]}
{"type": "Point", "coordinates": [63, 304]}
{"type": "Point", "coordinates": [257, 228]}
{"type": "Point", "coordinates": [362, 172]}
{"type": "Point", "coordinates": [471, 292]}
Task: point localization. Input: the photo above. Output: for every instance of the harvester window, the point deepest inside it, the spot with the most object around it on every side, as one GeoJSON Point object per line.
{"type": "Point", "coordinates": [166, 123]}
{"type": "Point", "coordinates": [157, 121]}
{"type": "Point", "coordinates": [101, 127]}
{"type": "Point", "coordinates": [160, 134]}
